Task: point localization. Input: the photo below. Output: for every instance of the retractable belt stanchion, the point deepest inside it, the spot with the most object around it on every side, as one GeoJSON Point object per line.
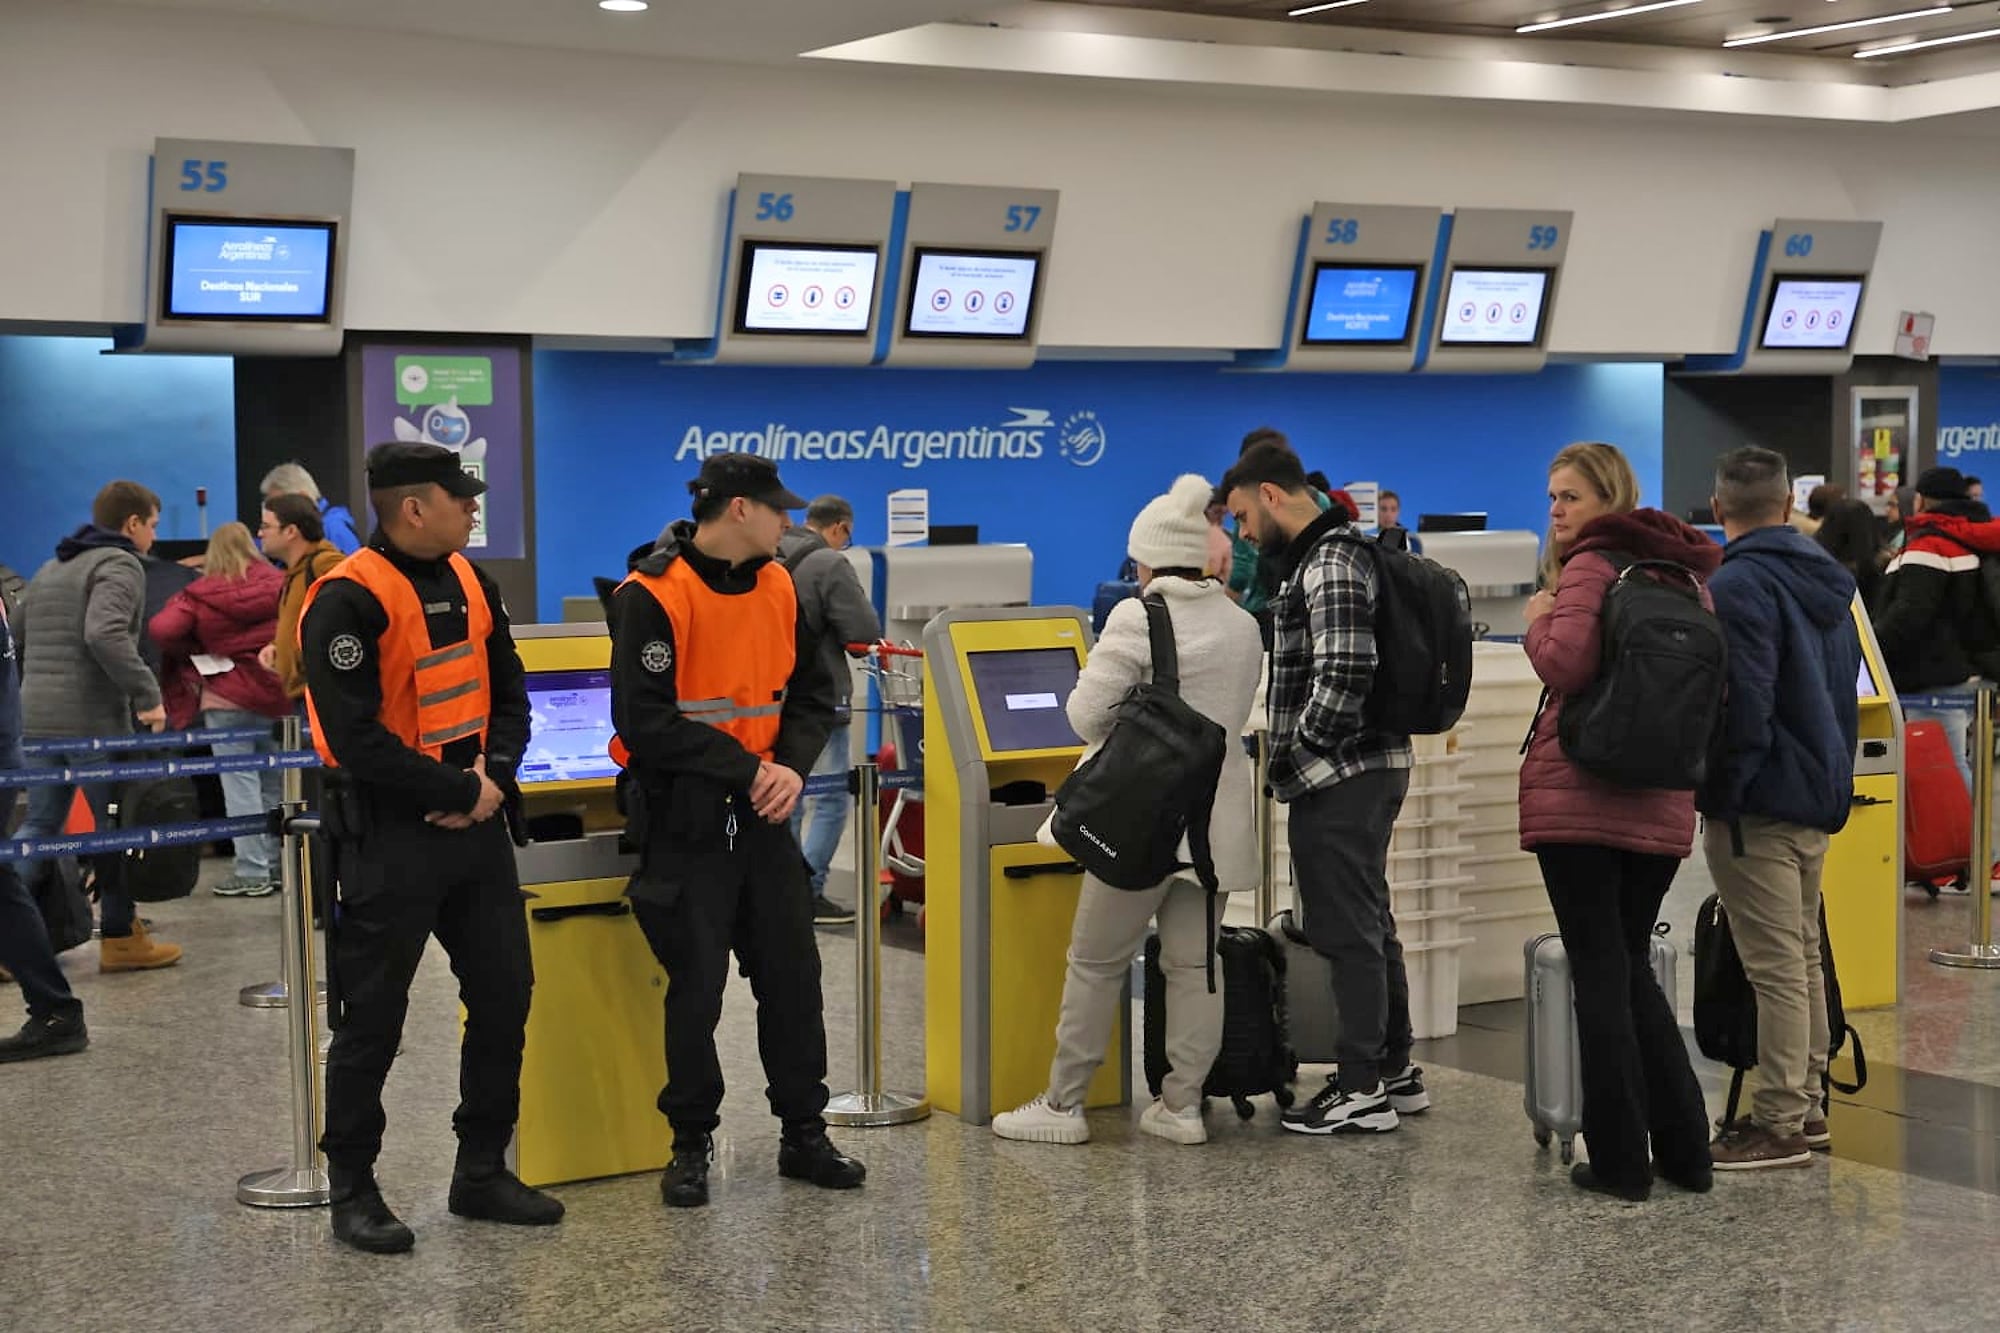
{"type": "Point", "coordinates": [1267, 832]}
{"type": "Point", "coordinates": [1980, 950]}
{"type": "Point", "coordinates": [868, 1105]}
{"type": "Point", "coordinates": [272, 994]}
{"type": "Point", "coordinates": [303, 1184]}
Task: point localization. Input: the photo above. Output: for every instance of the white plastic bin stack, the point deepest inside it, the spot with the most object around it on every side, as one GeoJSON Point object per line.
{"type": "Point", "coordinates": [1504, 893]}
{"type": "Point", "coordinates": [1427, 851]}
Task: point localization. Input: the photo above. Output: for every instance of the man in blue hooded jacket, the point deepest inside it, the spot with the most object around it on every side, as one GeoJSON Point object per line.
{"type": "Point", "coordinates": [1784, 785]}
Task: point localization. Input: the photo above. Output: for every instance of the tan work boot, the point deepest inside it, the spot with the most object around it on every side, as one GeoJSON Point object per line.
{"type": "Point", "coordinates": [137, 952]}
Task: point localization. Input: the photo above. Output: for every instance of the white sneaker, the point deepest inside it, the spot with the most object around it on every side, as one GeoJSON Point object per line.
{"type": "Point", "coordinates": [1337, 1112]}
{"type": "Point", "coordinates": [1162, 1121]}
{"type": "Point", "coordinates": [1041, 1122]}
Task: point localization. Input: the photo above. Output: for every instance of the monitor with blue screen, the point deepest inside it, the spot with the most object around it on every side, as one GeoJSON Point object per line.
{"type": "Point", "coordinates": [1360, 305]}
{"type": "Point", "coordinates": [253, 270]}
{"type": "Point", "coordinates": [569, 719]}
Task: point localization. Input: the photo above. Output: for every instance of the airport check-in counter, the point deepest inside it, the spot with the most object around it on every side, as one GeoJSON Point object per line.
{"type": "Point", "coordinates": [1000, 904]}
{"type": "Point", "coordinates": [595, 1058]}
{"type": "Point", "coordinates": [1863, 879]}
{"type": "Point", "coordinates": [1499, 570]}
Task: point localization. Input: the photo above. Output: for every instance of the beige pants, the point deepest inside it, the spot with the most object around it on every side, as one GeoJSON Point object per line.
{"type": "Point", "coordinates": [1110, 930]}
{"type": "Point", "coordinates": [1771, 894]}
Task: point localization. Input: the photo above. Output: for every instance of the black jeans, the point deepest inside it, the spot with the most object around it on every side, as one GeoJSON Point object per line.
{"type": "Point", "coordinates": [1340, 861]}
{"type": "Point", "coordinates": [24, 937]}
{"type": "Point", "coordinates": [401, 882]}
{"type": "Point", "coordinates": [1637, 1079]}
{"type": "Point", "coordinates": [756, 900]}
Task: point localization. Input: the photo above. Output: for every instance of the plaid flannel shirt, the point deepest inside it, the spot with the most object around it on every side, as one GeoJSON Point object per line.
{"type": "Point", "coordinates": [1323, 665]}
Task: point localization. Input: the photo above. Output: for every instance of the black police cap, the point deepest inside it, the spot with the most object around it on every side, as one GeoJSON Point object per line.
{"type": "Point", "coordinates": [726, 476]}
{"type": "Point", "coordinates": [393, 465]}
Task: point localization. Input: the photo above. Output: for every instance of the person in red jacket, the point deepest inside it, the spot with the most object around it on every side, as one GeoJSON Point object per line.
{"type": "Point", "coordinates": [1608, 854]}
{"type": "Point", "coordinates": [210, 634]}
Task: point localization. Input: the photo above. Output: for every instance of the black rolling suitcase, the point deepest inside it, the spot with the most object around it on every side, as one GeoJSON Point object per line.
{"type": "Point", "coordinates": [1255, 1057]}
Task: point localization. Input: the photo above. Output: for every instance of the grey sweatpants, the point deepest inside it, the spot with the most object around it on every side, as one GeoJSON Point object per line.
{"type": "Point", "coordinates": [1110, 930]}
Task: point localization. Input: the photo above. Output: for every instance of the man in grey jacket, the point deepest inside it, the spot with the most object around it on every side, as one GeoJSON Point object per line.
{"type": "Point", "coordinates": [81, 622]}
{"type": "Point", "coordinates": [837, 611]}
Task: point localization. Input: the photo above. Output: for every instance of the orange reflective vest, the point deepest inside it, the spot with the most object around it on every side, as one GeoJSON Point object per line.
{"type": "Point", "coordinates": [430, 696]}
{"type": "Point", "coordinates": [735, 653]}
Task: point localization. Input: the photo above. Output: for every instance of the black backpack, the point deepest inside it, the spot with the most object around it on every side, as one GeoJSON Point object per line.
{"type": "Point", "coordinates": [1653, 716]}
{"type": "Point", "coordinates": [1423, 642]}
{"type": "Point", "coordinates": [1725, 1005]}
{"type": "Point", "coordinates": [1256, 1054]}
{"type": "Point", "coordinates": [1123, 813]}
{"type": "Point", "coordinates": [152, 874]}
{"type": "Point", "coordinates": [58, 892]}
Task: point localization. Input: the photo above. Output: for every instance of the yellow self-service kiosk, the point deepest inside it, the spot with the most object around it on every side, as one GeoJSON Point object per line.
{"type": "Point", "coordinates": [595, 1058]}
{"type": "Point", "coordinates": [999, 905]}
{"type": "Point", "coordinates": [1863, 879]}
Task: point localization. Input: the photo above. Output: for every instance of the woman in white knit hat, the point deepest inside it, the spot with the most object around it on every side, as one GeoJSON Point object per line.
{"type": "Point", "coordinates": [1220, 656]}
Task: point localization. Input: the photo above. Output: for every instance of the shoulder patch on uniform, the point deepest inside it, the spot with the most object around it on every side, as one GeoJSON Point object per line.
{"type": "Point", "coordinates": [657, 656]}
{"type": "Point", "coordinates": [345, 652]}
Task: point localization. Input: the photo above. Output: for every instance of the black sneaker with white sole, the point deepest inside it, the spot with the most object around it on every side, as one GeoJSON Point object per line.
{"type": "Point", "coordinates": [827, 912]}
{"type": "Point", "coordinates": [1406, 1091]}
{"type": "Point", "coordinates": [1337, 1112]}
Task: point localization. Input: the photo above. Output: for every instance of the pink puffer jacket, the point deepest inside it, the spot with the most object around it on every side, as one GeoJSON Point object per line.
{"type": "Point", "coordinates": [1560, 803]}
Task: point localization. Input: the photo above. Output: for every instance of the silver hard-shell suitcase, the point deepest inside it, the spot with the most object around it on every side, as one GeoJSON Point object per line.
{"type": "Point", "coordinates": [1312, 1023]}
{"type": "Point", "coordinates": [1554, 1092]}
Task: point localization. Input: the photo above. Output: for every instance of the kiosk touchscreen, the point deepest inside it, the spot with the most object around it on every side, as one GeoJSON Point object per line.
{"type": "Point", "coordinates": [569, 720]}
{"type": "Point", "coordinates": [1862, 882]}
{"type": "Point", "coordinates": [998, 905]}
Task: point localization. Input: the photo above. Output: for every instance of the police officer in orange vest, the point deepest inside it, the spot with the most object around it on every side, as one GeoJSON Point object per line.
{"type": "Point", "coordinates": [419, 708]}
{"type": "Point", "coordinates": [722, 703]}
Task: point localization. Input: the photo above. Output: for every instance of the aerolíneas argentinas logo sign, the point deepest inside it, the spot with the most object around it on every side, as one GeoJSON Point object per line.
{"type": "Point", "coordinates": [1028, 434]}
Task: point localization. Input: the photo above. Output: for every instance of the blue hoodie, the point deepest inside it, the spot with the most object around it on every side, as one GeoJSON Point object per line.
{"type": "Point", "coordinates": [339, 525]}
{"type": "Point", "coordinates": [1794, 656]}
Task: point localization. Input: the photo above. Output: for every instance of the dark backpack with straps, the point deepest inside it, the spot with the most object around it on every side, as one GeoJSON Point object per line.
{"type": "Point", "coordinates": [1124, 812]}
{"type": "Point", "coordinates": [1653, 715]}
{"type": "Point", "coordinates": [152, 874]}
{"type": "Point", "coordinates": [1423, 642]}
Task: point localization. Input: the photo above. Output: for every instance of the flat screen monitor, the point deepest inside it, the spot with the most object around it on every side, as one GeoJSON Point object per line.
{"type": "Point", "coordinates": [247, 270]}
{"type": "Point", "coordinates": [1865, 686]}
{"type": "Point", "coordinates": [569, 721]}
{"type": "Point", "coordinates": [1360, 305]}
{"type": "Point", "coordinates": [1022, 695]}
{"type": "Point", "coordinates": [1495, 307]}
{"type": "Point", "coordinates": [1811, 313]}
{"type": "Point", "coordinates": [971, 294]}
{"type": "Point", "coordinates": [1451, 522]}
{"type": "Point", "coordinates": [806, 287]}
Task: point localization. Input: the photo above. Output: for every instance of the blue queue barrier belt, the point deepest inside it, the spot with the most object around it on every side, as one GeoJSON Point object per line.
{"type": "Point", "coordinates": [146, 740]}
{"type": "Point", "coordinates": [164, 835]}
{"type": "Point", "coordinates": [837, 782]}
{"type": "Point", "coordinates": [1949, 703]}
{"type": "Point", "coordinates": [153, 769]}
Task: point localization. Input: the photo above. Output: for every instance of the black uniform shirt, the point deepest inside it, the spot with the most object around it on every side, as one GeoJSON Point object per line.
{"type": "Point", "coordinates": [645, 702]}
{"type": "Point", "coordinates": [348, 698]}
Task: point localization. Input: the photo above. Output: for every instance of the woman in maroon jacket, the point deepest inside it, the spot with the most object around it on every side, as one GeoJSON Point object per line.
{"type": "Point", "coordinates": [223, 619]}
{"type": "Point", "coordinates": [1609, 853]}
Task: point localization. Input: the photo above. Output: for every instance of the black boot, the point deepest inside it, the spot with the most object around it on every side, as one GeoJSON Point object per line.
{"type": "Point", "coordinates": [50, 1034]}
{"type": "Point", "coordinates": [685, 1184]}
{"type": "Point", "coordinates": [482, 1188]}
{"type": "Point", "coordinates": [1584, 1178]}
{"type": "Point", "coordinates": [361, 1219]}
{"type": "Point", "coordinates": [812, 1156]}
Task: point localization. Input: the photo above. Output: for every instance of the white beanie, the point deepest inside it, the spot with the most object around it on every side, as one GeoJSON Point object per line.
{"type": "Point", "coordinates": [1171, 532]}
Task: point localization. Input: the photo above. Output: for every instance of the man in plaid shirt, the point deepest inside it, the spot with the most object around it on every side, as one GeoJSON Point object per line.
{"type": "Point", "coordinates": [1344, 781]}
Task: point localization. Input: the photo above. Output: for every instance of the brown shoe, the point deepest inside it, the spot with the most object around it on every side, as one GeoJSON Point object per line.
{"type": "Point", "coordinates": [1756, 1148]}
{"type": "Point", "coordinates": [1815, 1133]}
{"type": "Point", "coordinates": [137, 952]}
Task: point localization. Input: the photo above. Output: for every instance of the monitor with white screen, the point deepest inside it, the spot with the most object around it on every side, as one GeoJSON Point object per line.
{"type": "Point", "coordinates": [1023, 694]}
{"type": "Point", "coordinates": [796, 287]}
{"type": "Point", "coordinates": [970, 294]}
{"type": "Point", "coordinates": [569, 720]}
{"type": "Point", "coordinates": [1495, 307]}
{"type": "Point", "coordinates": [1811, 313]}
{"type": "Point", "coordinates": [251, 270]}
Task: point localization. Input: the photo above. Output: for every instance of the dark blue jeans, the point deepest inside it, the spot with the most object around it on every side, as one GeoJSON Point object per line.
{"type": "Point", "coordinates": [48, 808]}
{"type": "Point", "coordinates": [24, 939]}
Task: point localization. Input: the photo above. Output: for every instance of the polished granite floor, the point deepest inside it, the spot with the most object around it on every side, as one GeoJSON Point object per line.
{"type": "Point", "coordinates": [117, 1173]}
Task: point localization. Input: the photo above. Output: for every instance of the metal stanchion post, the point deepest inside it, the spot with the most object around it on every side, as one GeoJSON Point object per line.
{"type": "Point", "coordinates": [272, 994]}
{"type": "Point", "coordinates": [303, 1184]}
{"type": "Point", "coordinates": [868, 1105]}
{"type": "Point", "coordinates": [1980, 951]}
{"type": "Point", "coordinates": [1267, 833]}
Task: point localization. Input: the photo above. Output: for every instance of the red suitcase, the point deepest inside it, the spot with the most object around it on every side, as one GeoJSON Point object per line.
{"type": "Point", "coordinates": [1937, 809]}
{"type": "Point", "coordinates": [904, 862]}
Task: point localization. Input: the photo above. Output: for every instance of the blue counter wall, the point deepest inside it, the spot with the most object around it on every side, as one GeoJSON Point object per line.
{"type": "Point", "coordinates": [72, 419]}
{"type": "Point", "coordinates": [1065, 453]}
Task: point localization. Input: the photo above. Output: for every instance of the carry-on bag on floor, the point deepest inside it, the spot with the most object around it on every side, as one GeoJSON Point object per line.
{"type": "Point", "coordinates": [903, 812]}
{"type": "Point", "coordinates": [1311, 1020]}
{"type": "Point", "coordinates": [1255, 1057]}
{"type": "Point", "coordinates": [1554, 1092]}
{"type": "Point", "coordinates": [1937, 810]}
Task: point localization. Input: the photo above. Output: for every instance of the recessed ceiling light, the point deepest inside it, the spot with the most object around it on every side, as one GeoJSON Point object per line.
{"type": "Point", "coordinates": [1601, 15]}
{"type": "Point", "coordinates": [1903, 47]}
{"type": "Point", "coordinates": [622, 6]}
{"type": "Point", "coordinates": [1329, 4]}
{"type": "Point", "coordinates": [1932, 12]}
